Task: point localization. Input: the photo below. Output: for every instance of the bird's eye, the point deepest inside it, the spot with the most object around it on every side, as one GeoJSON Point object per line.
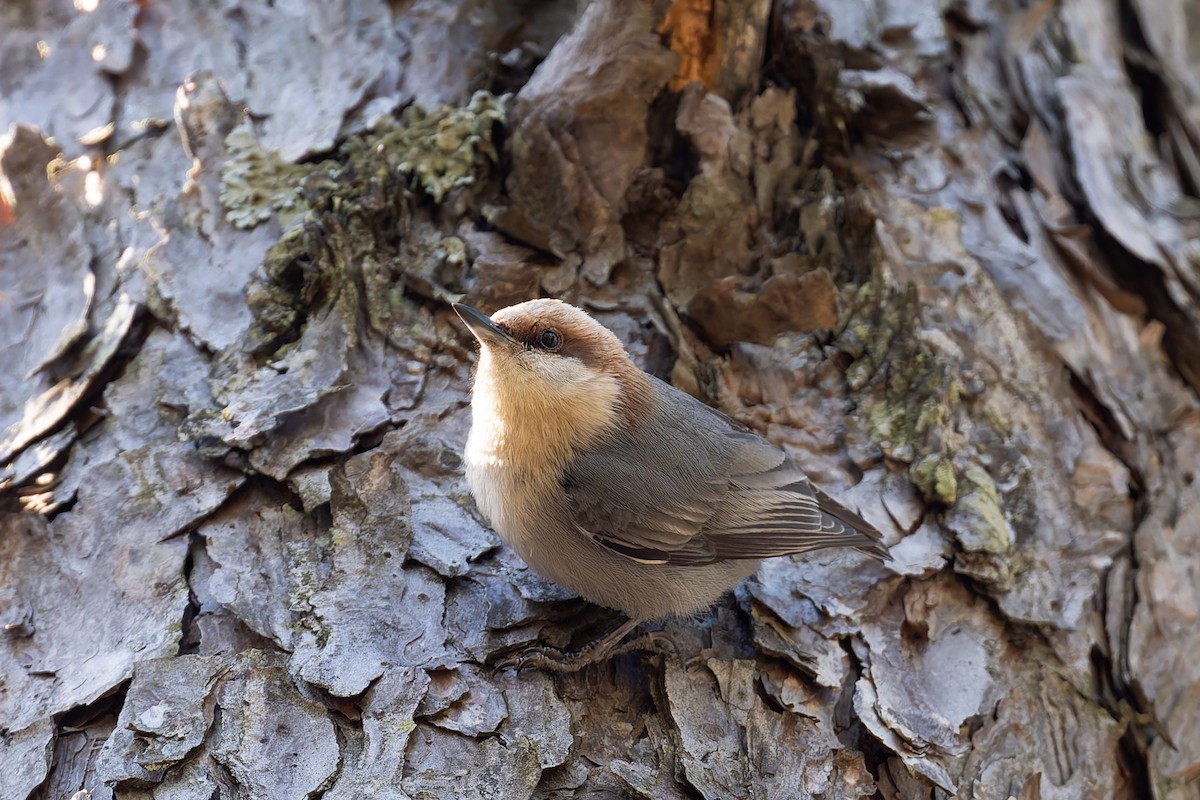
{"type": "Point", "coordinates": [550, 339]}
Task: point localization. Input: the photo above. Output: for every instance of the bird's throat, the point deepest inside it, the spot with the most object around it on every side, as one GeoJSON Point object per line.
{"type": "Point", "coordinates": [526, 426]}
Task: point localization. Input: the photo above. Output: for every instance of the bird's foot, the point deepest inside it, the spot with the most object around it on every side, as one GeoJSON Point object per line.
{"type": "Point", "coordinates": [610, 646]}
{"type": "Point", "coordinates": [548, 658]}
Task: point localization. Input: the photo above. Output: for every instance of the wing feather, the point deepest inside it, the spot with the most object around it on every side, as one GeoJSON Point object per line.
{"type": "Point", "coordinates": [735, 496]}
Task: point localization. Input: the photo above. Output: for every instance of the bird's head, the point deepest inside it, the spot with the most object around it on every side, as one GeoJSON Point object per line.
{"type": "Point", "coordinates": [546, 364]}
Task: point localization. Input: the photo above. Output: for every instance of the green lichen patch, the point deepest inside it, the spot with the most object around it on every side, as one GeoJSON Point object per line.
{"type": "Point", "coordinates": [979, 523]}
{"type": "Point", "coordinates": [256, 183]}
{"type": "Point", "coordinates": [907, 394]}
{"type": "Point", "coordinates": [364, 237]}
{"type": "Point", "coordinates": [934, 475]}
{"type": "Point", "coordinates": [447, 148]}
{"type": "Point", "coordinates": [977, 518]}
{"type": "Point", "coordinates": [911, 408]}
{"type": "Point", "coordinates": [439, 150]}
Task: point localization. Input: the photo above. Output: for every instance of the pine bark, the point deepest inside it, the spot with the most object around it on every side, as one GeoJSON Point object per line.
{"type": "Point", "coordinates": [945, 254]}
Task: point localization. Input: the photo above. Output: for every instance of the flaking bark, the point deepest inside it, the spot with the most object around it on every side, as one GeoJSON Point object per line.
{"type": "Point", "coordinates": [945, 254]}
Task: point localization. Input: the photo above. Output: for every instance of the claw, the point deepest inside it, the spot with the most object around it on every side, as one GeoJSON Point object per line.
{"type": "Point", "coordinates": [546, 658]}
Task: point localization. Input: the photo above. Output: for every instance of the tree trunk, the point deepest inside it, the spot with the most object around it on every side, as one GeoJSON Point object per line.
{"type": "Point", "coordinates": [945, 254]}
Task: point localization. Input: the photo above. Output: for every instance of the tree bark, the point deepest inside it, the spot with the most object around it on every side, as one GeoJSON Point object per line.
{"type": "Point", "coordinates": [945, 254]}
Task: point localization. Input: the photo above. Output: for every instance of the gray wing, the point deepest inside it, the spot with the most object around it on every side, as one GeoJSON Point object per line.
{"type": "Point", "coordinates": [735, 496]}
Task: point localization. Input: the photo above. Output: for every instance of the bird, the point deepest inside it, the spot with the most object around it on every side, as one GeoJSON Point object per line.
{"type": "Point", "coordinates": [620, 487]}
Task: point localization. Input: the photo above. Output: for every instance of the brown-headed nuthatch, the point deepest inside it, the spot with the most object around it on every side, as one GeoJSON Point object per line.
{"type": "Point", "coordinates": [621, 487]}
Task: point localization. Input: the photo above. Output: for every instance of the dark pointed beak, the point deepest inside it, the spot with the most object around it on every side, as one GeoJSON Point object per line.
{"type": "Point", "coordinates": [486, 331]}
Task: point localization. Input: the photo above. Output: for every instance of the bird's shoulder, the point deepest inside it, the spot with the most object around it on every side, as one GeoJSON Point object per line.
{"type": "Point", "coordinates": [678, 443]}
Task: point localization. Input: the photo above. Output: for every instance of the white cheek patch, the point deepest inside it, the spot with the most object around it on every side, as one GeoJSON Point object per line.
{"type": "Point", "coordinates": [559, 372]}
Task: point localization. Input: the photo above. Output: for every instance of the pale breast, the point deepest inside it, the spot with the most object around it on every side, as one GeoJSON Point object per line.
{"type": "Point", "coordinates": [523, 433]}
{"type": "Point", "coordinates": [511, 492]}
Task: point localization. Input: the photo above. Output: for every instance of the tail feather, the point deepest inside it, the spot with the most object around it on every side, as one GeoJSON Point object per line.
{"type": "Point", "coordinates": [871, 541]}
